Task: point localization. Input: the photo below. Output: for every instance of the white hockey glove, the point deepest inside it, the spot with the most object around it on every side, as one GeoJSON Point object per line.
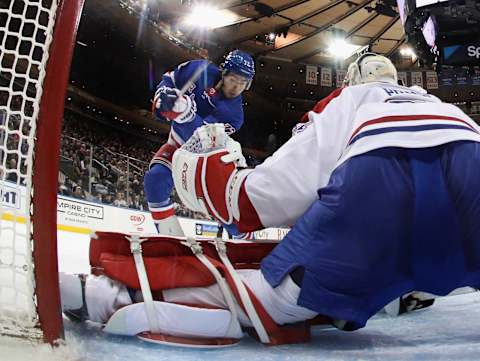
{"type": "Point", "coordinates": [168, 103]}
{"type": "Point", "coordinates": [207, 138]}
{"type": "Point", "coordinates": [212, 137]}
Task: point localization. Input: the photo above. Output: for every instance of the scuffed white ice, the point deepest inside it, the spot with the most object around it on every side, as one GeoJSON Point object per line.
{"type": "Point", "coordinates": [449, 330]}
{"type": "Point", "coordinates": [14, 349]}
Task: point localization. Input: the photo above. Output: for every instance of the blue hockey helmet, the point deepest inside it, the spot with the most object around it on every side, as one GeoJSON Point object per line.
{"type": "Point", "coordinates": [241, 63]}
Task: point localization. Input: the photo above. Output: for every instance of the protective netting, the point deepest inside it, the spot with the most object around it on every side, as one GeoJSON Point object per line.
{"type": "Point", "coordinates": [26, 29]}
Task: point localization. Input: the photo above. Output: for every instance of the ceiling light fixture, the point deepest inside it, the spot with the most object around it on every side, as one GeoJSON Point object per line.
{"type": "Point", "coordinates": [209, 17]}
{"type": "Point", "coordinates": [340, 48]}
{"type": "Point", "coordinates": [408, 52]}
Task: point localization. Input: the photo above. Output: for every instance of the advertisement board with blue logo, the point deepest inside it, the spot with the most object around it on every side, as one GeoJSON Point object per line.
{"type": "Point", "coordinates": [204, 229]}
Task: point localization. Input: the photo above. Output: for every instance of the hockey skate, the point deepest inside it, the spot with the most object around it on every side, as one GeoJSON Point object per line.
{"type": "Point", "coordinates": [411, 302]}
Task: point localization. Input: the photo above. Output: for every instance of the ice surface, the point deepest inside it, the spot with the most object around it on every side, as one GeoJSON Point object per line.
{"type": "Point", "coordinates": [449, 330]}
{"type": "Point", "coordinates": [14, 349]}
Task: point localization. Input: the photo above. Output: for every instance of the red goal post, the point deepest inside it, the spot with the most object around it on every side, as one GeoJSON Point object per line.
{"type": "Point", "coordinates": [36, 47]}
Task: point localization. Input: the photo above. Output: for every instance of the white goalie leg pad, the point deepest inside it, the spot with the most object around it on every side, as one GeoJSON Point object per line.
{"type": "Point", "coordinates": [211, 295]}
{"type": "Point", "coordinates": [174, 320]}
{"type": "Point", "coordinates": [70, 291]}
{"type": "Point", "coordinates": [104, 296]}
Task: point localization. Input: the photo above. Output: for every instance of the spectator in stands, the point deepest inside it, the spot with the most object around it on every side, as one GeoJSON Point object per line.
{"type": "Point", "coordinates": [98, 198]}
{"type": "Point", "coordinates": [107, 199]}
{"type": "Point", "coordinates": [62, 188]}
{"type": "Point", "coordinates": [120, 200]}
{"type": "Point", "coordinates": [12, 175]}
{"type": "Point", "coordinates": [78, 192]}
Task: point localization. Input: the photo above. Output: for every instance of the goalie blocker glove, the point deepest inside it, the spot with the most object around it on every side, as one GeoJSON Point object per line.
{"type": "Point", "coordinates": [168, 103]}
{"type": "Point", "coordinates": [205, 173]}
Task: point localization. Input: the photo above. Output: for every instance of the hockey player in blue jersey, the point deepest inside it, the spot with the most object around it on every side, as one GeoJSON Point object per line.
{"type": "Point", "coordinates": [212, 94]}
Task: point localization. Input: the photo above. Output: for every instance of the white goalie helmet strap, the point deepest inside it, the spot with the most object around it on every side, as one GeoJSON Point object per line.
{"type": "Point", "coordinates": [370, 67]}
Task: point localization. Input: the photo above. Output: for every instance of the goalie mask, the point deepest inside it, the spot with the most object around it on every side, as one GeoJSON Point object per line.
{"type": "Point", "coordinates": [370, 67]}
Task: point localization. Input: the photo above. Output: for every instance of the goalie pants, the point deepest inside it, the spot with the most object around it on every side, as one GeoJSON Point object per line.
{"type": "Point", "coordinates": [389, 222]}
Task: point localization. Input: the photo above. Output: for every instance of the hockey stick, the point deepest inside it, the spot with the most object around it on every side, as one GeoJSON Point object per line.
{"type": "Point", "coordinates": [195, 76]}
{"type": "Point", "coordinates": [189, 82]}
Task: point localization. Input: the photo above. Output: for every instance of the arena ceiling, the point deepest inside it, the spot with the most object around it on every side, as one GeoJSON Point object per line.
{"type": "Point", "coordinates": [124, 46]}
{"type": "Point", "coordinates": [300, 31]}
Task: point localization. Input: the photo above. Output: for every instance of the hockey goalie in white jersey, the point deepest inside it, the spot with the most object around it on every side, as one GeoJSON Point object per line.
{"type": "Point", "coordinates": [381, 191]}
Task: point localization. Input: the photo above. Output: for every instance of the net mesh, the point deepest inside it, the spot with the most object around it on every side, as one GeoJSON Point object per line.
{"type": "Point", "coordinates": [26, 29]}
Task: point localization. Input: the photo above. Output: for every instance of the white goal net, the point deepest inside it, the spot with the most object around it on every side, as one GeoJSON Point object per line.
{"type": "Point", "coordinates": [26, 34]}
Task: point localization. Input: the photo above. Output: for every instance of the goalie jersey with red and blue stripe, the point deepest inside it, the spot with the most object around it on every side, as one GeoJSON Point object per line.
{"type": "Point", "coordinates": [359, 119]}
